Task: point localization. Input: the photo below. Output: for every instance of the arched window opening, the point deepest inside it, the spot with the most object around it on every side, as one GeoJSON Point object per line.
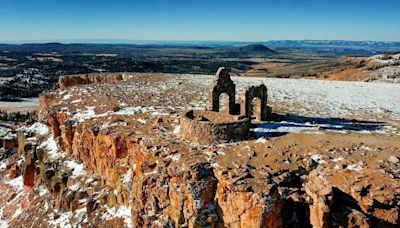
{"type": "Point", "coordinates": [224, 102]}
{"type": "Point", "coordinates": [256, 109]}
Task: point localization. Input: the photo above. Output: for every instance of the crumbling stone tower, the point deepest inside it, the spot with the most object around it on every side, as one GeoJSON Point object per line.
{"type": "Point", "coordinates": [223, 84]}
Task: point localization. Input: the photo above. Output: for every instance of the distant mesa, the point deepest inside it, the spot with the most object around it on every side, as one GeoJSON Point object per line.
{"type": "Point", "coordinates": [255, 48]}
{"type": "Point", "coordinates": [250, 50]}
{"type": "Point", "coordinates": [53, 43]}
{"type": "Point", "coordinates": [49, 43]}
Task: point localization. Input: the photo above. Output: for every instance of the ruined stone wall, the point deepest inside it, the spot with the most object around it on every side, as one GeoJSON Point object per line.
{"type": "Point", "coordinates": [207, 132]}
{"type": "Point", "coordinates": [222, 85]}
{"type": "Point", "coordinates": [247, 102]}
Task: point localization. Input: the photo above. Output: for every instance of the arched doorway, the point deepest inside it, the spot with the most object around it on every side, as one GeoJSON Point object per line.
{"type": "Point", "coordinates": [223, 101]}
{"type": "Point", "coordinates": [256, 109]}
{"type": "Point", "coordinates": [254, 103]}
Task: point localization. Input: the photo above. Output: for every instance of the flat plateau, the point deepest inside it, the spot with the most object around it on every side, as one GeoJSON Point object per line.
{"type": "Point", "coordinates": [329, 157]}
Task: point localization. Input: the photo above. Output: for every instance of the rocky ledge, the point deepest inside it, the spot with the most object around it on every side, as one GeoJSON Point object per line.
{"type": "Point", "coordinates": [113, 154]}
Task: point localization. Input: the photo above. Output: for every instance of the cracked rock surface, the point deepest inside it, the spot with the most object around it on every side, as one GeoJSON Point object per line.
{"type": "Point", "coordinates": [110, 154]}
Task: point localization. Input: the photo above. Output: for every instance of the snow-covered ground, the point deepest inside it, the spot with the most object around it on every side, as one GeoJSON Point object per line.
{"type": "Point", "coordinates": [332, 98]}
{"type": "Point", "coordinates": [313, 105]}
{"type": "Point", "coordinates": [27, 104]}
{"type": "Point", "coordinates": [318, 98]}
{"type": "Point", "coordinates": [381, 58]}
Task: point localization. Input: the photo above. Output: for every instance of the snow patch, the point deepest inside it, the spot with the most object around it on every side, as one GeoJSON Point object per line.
{"type": "Point", "coordinates": [143, 121]}
{"type": "Point", "coordinates": [127, 179]}
{"type": "Point", "coordinates": [174, 157]}
{"type": "Point", "coordinates": [261, 140]}
{"type": "Point", "coordinates": [354, 167]}
{"type": "Point", "coordinates": [66, 97]}
{"type": "Point", "coordinates": [338, 159]}
{"type": "Point", "coordinates": [159, 113]}
{"type": "Point", "coordinates": [85, 115]}
{"type": "Point", "coordinates": [317, 158]}
{"type": "Point", "coordinates": [75, 187]}
{"type": "Point", "coordinates": [4, 131]}
{"type": "Point", "coordinates": [42, 190]}
{"type": "Point", "coordinates": [16, 182]}
{"type": "Point", "coordinates": [3, 165]}
{"type": "Point", "coordinates": [51, 147]}
{"type": "Point", "coordinates": [78, 169]}
{"type": "Point", "coordinates": [38, 128]}
{"type": "Point", "coordinates": [177, 130]}
{"type": "Point", "coordinates": [120, 212]}
{"type": "Point", "coordinates": [128, 111]}
{"type": "Point", "coordinates": [63, 220]}
{"type": "Point", "coordinates": [282, 127]}
{"type": "Point", "coordinates": [76, 101]}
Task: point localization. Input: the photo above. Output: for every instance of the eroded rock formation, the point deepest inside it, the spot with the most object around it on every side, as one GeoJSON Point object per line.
{"type": "Point", "coordinates": [122, 148]}
{"type": "Point", "coordinates": [81, 79]}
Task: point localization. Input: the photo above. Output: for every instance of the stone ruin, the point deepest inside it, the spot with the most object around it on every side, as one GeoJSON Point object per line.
{"type": "Point", "coordinates": [223, 84]}
{"type": "Point", "coordinates": [217, 125]}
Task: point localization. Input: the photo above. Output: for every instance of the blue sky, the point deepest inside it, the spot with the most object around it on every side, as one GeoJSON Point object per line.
{"type": "Point", "coordinates": [258, 20]}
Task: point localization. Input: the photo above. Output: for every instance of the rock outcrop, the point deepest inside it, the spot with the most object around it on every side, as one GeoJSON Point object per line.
{"type": "Point", "coordinates": [117, 146]}
{"type": "Point", "coordinates": [82, 79]}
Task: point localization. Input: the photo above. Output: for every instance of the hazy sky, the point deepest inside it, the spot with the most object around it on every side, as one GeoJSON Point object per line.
{"type": "Point", "coordinates": [258, 20]}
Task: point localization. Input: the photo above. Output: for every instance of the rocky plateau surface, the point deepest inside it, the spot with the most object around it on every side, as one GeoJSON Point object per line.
{"type": "Point", "coordinates": [376, 68]}
{"type": "Point", "coordinates": [110, 155]}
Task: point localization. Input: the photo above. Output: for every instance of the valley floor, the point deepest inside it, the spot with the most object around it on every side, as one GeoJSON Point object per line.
{"type": "Point", "coordinates": [25, 105]}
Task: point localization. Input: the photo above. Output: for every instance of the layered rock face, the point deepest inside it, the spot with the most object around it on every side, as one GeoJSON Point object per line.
{"type": "Point", "coordinates": [121, 146]}
{"type": "Point", "coordinates": [9, 124]}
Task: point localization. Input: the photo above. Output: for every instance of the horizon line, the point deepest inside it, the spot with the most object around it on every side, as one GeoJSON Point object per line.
{"type": "Point", "coordinates": [132, 41]}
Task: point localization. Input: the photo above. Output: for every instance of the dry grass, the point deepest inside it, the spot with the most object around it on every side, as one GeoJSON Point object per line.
{"type": "Point", "coordinates": [350, 74]}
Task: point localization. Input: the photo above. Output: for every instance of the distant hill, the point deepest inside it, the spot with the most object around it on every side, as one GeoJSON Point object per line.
{"type": "Point", "coordinates": [251, 50]}
{"type": "Point", "coordinates": [341, 47]}
{"type": "Point", "coordinates": [378, 68]}
{"type": "Point", "coordinates": [255, 49]}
